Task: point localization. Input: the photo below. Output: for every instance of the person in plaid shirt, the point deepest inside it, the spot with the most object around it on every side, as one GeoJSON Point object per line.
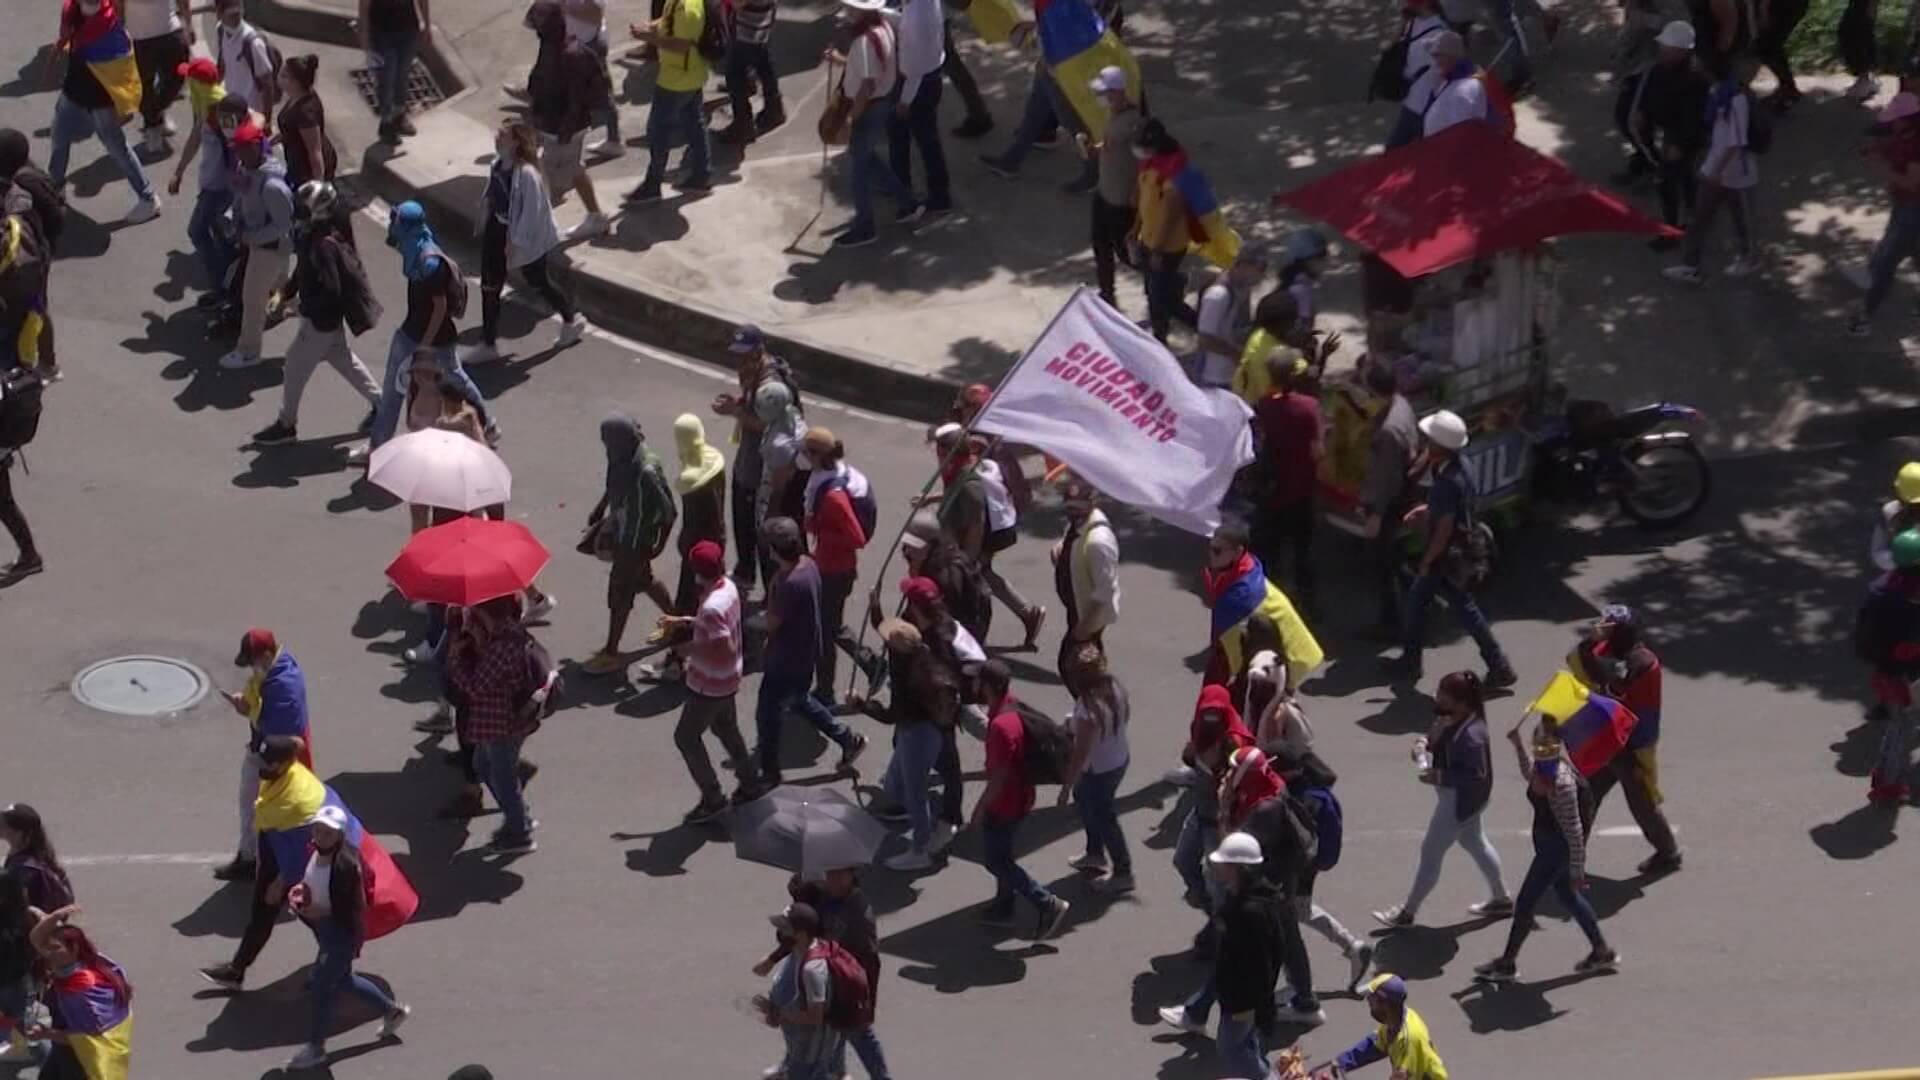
{"type": "Point", "coordinates": [487, 664]}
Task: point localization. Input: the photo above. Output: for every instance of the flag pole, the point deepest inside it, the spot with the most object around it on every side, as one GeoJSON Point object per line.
{"type": "Point", "coordinates": [880, 576]}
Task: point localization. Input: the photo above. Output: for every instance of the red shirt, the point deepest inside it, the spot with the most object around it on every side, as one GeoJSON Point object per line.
{"type": "Point", "coordinates": [1006, 749]}
{"type": "Point", "coordinates": [1290, 426]}
{"type": "Point", "coordinates": [837, 537]}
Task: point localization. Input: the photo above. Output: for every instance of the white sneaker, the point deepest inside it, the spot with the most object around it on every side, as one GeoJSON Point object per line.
{"type": "Point", "coordinates": [358, 453]}
{"type": "Point", "coordinates": [1741, 266]}
{"type": "Point", "coordinates": [1863, 88]}
{"type": "Point", "coordinates": [311, 1056]}
{"type": "Point", "coordinates": [590, 226]}
{"type": "Point", "coordinates": [1175, 1016]}
{"type": "Point", "coordinates": [540, 608]}
{"type": "Point", "coordinates": [166, 126]}
{"type": "Point", "coordinates": [479, 354]}
{"type": "Point", "coordinates": [942, 837]}
{"type": "Point", "coordinates": [143, 211]}
{"type": "Point", "coordinates": [571, 331]}
{"type": "Point", "coordinates": [908, 861]}
{"type": "Point", "coordinates": [398, 1016]}
{"type": "Point", "coordinates": [603, 147]}
{"type": "Point", "coordinates": [239, 361]}
{"type": "Point", "coordinates": [1684, 273]}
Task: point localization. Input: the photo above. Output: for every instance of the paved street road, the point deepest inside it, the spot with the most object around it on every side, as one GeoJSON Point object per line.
{"type": "Point", "coordinates": [621, 948]}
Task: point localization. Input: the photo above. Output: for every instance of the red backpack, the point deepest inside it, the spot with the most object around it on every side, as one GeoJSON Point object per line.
{"type": "Point", "coordinates": [850, 994]}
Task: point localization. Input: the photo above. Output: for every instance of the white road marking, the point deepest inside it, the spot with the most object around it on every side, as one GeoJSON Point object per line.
{"type": "Point", "coordinates": [184, 858]}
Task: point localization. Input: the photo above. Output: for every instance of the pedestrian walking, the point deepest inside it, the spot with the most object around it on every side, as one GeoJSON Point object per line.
{"type": "Point", "coordinates": [587, 25]}
{"type": "Point", "coordinates": [90, 1000]}
{"type": "Point", "coordinates": [1045, 110]}
{"type": "Point", "coordinates": [1857, 39]}
{"type": "Point", "coordinates": [30, 195]}
{"type": "Point", "coordinates": [564, 88]}
{"type": "Point", "coordinates": [28, 561]}
{"type": "Point", "coordinates": [215, 121]}
{"type": "Point", "coordinates": [916, 115]}
{"type": "Point", "coordinates": [1896, 155]}
{"type": "Point", "coordinates": [923, 709]}
{"type": "Point", "coordinates": [1096, 768]}
{"type": "Point", "coordinates": [1247, 612]}
{"type": "Point", "coordinates": [1225, 318]}
{"type": "Point", "coordinates": [1006, 802]}
{"type": "Point", "coordinates": [1887, 637]}
{"type": "Point", "coordinates": [1459, 765]}
{"type": "Point", "coordinates": [629, 528]}
{"type": "Point", "coordinates": [335, 297]}
{"type": "Point", "coordinates": [1118, 181]}
{"type": "Point", "coordinates": [17, 958]}
{"type": "Point", "coordinates": [1461, 94]}
{"type": "Point", "coordinates": [978, 516]}
{"type": "Point", "coordinates": [88, 107]}
{"type": "Point", "coordinates": [793, 654]}
{"type": "Point", "coordinates": [1245, 966]}
{"type": "Point", "coordinates": [263, 217]}
{"type": "Point", "coordinates": [31, 859]}
{"type": "Point", "coordinates": [276, 857]}
{"type": "Point", "coordinates": [1777, 21]}
{"type": "Point", "coordinates": [248, 64]}
{"type": "Point", "coordinates": [1897, 515]}
{"type": "Point", "coordinates": [675, 112]}
{"type": "Point", "coordinates": [929, 554]}
{"type": "Point", "coordinates": [1293, 443]}
{"type": "Point", "coordinates": [1162, 231]}
{"type": "Point", "coordinates": [1215, 734]}
{"type": "Point", "coordinates": [519, 234]}
{"type": "Point", "coordinates": [847, 919]}
{"type": "Point", "coordinates": [978, 119]}
{"type": "Point", "coordinates": [869, 74]}
{"type": "Point", "coordinates": [1086, 570]}
{"type": "Point", "coordinates": [1614, 657]}
{"type": "Point", "coordinates": [163, 38]}
{"type": "Point", "coordinates": [1408, 65]}
{"type": "Point", "coordinates": [757, 367]}
{"type": "Point", "coordinates": [1401, 1040]}
{"type": "Point", "coordinates": [331, 899]}
{"type": "Point", "coordinates": [1306, 261]}
{"type": "Point", "coordinates": [958, 653]}
{"type": "Point", "coordinates": [274, 701]}
{"type": "Point", "coordinates": [800, 995]}
{"type": "Point", "coordinates": [1254, 799]}
{"type": "Point", "coordinates": [1448, 562]}
{"type": "Point", "coordinates": [392, 31]}
{"type": "Point", "coordinates": [487, 664]}
{"type": "Point", "coordinates": [1310, 783]}
{"type": "Point", "coordinates": [711, 658]}
{"type": "Point", "coordinates": [1388, 492]}
{"type": "Point", "coordinates": [750, 62]}
{"type": "Point", "coordinates": [1662, 110]}
{"type": "Point", "coordinates": [1562, 812]}
{"type": "Point", "coordinates": [701, 484]}
{"type": "Point", "coordinates": [835, 494]}
{"type": "Point", "coordinates": [1729, 172]}
{"type": "Point", "coordinates": [302, 124]}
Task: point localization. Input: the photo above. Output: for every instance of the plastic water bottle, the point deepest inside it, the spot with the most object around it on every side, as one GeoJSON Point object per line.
{"type": "Point", "coordinates": [1422, 760]}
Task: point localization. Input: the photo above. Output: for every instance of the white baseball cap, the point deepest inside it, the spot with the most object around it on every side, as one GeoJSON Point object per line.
{"type": "Point", "coordinates": [1238, 849]}
{"type": "Point", "coordinates": [333, 817]}
{"type": "Point", "coordinates": [1446, 429]}
{"type": "Point", "coordinates": [1677, 34]}
{"type": "Point", "coordinates": [1110, 79]}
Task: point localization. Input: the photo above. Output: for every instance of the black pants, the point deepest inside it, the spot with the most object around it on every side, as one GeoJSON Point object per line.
{"type": "Point", "coordinates": [10, 515]}
{"type": "Point", "coordinates": [1855, 34]}
{"type": "Point", "coordinates": [955, 69]}
{"type": "Point", "coordinates": [493, 281]}
{"type": "Point", "coordinates": [1293, 957]}
{"type": "Point", "coordinates": [1166, 293]}
{"type": "Point", "coordinates": [261, 917]}
{"type": "Point", "coordinates": [744, 57]}
{"type": "Point", "coordinates": [1679, 186]}
{"type": "Point", "coordinates": [834, 590]}
{"type": "Point", "coordinates": [1710, 200]}
{"type": "Point", "coordinates": [947, 768]}
{"type": "Point", "coordinates": [746, 538]}
{"type": "Point", "coordinates": [1386, 557]}
{"type": "Point", "coordinates": [159, 58]}
{"type": "Point", "coordinates": [1280, 527]}
{"type": "Point", "coordinates": [921, 127]}
{"type": "Point", "coordinates": [1770, 47]}
{"type": "Point", "coordinates": [1110, 227]}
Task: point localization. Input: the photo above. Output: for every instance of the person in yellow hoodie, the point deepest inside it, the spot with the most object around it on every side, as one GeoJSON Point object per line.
{"type": "Point", "coordinates": [1401, 1038]}
{"type": "Point", "coordinates": [702, 485]}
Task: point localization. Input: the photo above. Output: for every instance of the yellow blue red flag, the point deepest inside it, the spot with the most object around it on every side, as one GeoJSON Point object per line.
{"type": "Point", "coordinates": [100, 41]}
{"type": "Point", "coordinates": [1076, 44]}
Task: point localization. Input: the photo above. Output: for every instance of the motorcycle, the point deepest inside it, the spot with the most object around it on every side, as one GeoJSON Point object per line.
{"type": "Point", "coordinates": [1656, 475]}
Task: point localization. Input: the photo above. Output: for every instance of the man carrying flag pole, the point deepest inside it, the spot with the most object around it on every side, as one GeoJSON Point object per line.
{"type": "Point", "coordinates": [99, 93]}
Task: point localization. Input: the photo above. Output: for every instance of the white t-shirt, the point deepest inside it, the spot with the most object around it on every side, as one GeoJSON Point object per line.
{"type": "Point", "coordinates": [239, 67]}
{"type": "Point", "coordinates": [1729, 148]}
{"type": "Point", "coordinates": [1110, 748]}
{"type": "Point", "coordinates": [1456, 103]}
{"type": "Point", "coordinates": [1422, 78]}
{"type": "Point", "coordinates": [872, 56]}
{"type": "Point", "coordinates": [1217, 305]}
{"type": "Point", "coordinates": [150, 18]}
{"type": "Point", "coordinates": [967, 647]}
{"type": "Point", "coordinates": [319, 883]}
{"type": "Point", "coordinates": [1000, 512]}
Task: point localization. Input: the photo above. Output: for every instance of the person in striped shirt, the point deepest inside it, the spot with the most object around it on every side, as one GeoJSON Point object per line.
{"type": "Point", "coordinates": [749, 61]}
{"type": "Point", "coordinates": [711, 659]}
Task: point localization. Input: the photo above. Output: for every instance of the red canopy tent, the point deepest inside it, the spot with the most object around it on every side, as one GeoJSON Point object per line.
{"type": "Point", "coordinates": [1466, 192]}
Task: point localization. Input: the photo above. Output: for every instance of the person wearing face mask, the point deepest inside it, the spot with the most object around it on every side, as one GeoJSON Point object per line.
{"type": "Point", "coordinates": [518, 234]}
{"type": "Point", "coordinates": [1086, 571]}
{"type": "Point", "coordinates": [245, 59]}
{"type": "Point", "coordinates": [701, 484]}
{"type": "Point", "coordinates": [215, 119]}
{"type": "Point", "coordinates": [634, 520]}
{"type": "Point", "coordinates": [1162, 231]}
{"type": "Point", "coordinates": [288, 793]}
{"type": "Point", "coordinates": [86, 106]}
{"type": "Point", "coordinates": [263, 214]}
{"type": "Point", "coordinates": [274, 702]}
{"type": "Point", "coordinates": [783, 482]}
{"type": "Point", "coordinates": [90, 1000]}
{"type": "Point", "coordinates": [835, 492]}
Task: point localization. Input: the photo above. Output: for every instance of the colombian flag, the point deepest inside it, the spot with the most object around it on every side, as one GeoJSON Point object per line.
{"type": "Point", "coordinates": [1207, 231]}
{"type": "Point", "coordinates": [1075, 44]}
{"type": "Point", "coordinates": [99, 1019]}
{"type": "Point", "coordinates": [281, 813]}
{"type": "Point", "coordinates": [1594, 727]}
{"type": "Point", "coordinates": [1240, 593]}
{"type": "Point", "coordinates": [100, 41]}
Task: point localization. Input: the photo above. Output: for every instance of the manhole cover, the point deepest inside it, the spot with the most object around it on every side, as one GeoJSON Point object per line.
{"type": "Point", "coordinates": [141, 685]}
{"type": "Point", "coordinates": [420, 93]}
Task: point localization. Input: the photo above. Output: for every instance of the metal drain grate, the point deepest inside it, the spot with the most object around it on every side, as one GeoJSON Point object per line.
{"type": "Point", "coordinates": [421, 92]}
{"type": "Point", "coordinates": [141, 685]}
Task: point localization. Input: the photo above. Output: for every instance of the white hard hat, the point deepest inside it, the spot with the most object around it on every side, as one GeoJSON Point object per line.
{"type": "Point", "coordinates": [1446, 429]}
{"type": "Point", "coordinates": [1238, 849]}
{"type": "Point", "coordinates": [1677, 34]}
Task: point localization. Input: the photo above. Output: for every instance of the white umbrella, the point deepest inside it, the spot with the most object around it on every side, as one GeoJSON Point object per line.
{"type": "Point", "coordinates": [441, 468]}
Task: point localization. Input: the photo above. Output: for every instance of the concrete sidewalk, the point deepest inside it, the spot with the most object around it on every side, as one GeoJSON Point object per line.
{"type": "Point", "coordinates": [1277, 102]}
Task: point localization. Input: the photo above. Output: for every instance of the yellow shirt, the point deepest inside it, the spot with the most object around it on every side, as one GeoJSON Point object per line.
{"type": "Point", "coordinates": [683, 71]}
{"type": "Point", "coordinates": [1250, 379]}
{"type": "Point", "coordinates": [1411, 1051]}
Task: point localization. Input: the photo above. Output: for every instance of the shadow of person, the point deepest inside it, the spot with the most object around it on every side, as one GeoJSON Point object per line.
{"type": "Point", "coordinates": [952, 955]}
{"type": "Point", "coordinates": [1422, 952]}
{"type": "Point", "coordinates": [1857, 835]}
{"type": "Point", "coordinates": [1408, 712]}
{"type": "Point", "coordinates": [1514, 1006]}
{"type": "Point", "coordinates": [1857, 750]}
{"type": "Point", "coordinates": [377, 618]}
{"type": "Point", "coordinates": [84, 238]}
{"type": "Point", "coordinates": [223, 913]}
{"type": "Point", "coordinates": [1168, 980]}
{"type": "Point", "coordinates": [278, 1013]}
{"type": "Point", "coordinates": [286, 466]}
{"type": "Point", "coordinates": [362, 495]}
{"type": "Point", "coordinates": [667, 852]}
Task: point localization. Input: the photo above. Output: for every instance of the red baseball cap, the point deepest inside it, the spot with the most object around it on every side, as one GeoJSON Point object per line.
{"type": "Point", "coordinates": [253, 643]}
{"type": "Point", "coordinates": [249, 134]}
{"type": "Point", "coordinates": [707, 558]}
{"type": "Point", "coordinates": [920, 590]}
{"type": "Point", "coordinates": [200, 69]}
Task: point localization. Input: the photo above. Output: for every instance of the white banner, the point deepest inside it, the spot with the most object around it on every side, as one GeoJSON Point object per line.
{"type": "Point", "coordinates": [1102, 395]}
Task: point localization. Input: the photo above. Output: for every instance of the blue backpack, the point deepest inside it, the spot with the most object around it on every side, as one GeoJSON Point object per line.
{"type": "Point", "coordinates": [1328, 824]}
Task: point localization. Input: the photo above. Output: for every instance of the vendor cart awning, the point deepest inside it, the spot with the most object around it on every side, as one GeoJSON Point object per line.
{"type": "Point", "coordinates": [1466, 192]}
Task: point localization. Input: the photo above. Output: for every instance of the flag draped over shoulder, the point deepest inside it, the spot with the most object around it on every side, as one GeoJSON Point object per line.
{"type": "Point", "coordinates": [1208, 234]}
{"type": "Point", "coordinates": [1075, 44]}
{"type": "Point", "coordinates": [1593, 727]}
{"type": "Point", "coordinates": [993, 20]}
{"type": "Point", "coordinates": [1241, 592]}
{"type": "Point", "coordinates": [281, 813]}
{"type": "Point", "coordinates": [100, 41]}
{"type": "Point", "coordinates": [99, 1018]}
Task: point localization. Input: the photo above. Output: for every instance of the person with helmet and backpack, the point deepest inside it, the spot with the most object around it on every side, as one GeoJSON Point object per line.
{"type": "Point", "coordinates": [680, 36]}
{"type": "Point", "coordinates": [1887, 637]}
{"type": "Point", "coordinates": [1254, 799]}
{"type": "Point", "coordinates": [1729, 171]}
{"type": "Point", "coordinates": [1562, 812]}
{"type": "Point", "coordinates": [1247, 962]}
{"type": "Point", "coordinates": [929, 554]}
{"type": "Point", "coordinates": [1310, 783]}
{"type": "Point", "coordinates": [1006, 802]}
{"type": "Point", "coordinates": [840, 514]}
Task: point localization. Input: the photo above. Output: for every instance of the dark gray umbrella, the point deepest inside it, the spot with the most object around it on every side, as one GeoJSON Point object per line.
{"type": "Point", "coordinates": [808, 829]}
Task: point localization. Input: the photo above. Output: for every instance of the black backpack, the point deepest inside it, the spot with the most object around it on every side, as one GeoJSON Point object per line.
{"type": "Point", "coordinates": [20, 391]}
{"type": "Point", "coordinates": [1047, 746]}
{"type": "Point", "coordinates": [714, 37]}
{"type": "Point", "coordinates": [1389, 81]}
{"type": "Point", "coordinates": [274, 59]}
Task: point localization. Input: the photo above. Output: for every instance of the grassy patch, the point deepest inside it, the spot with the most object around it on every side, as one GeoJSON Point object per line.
{"type": "Point", "coordinates": [1815, 43]}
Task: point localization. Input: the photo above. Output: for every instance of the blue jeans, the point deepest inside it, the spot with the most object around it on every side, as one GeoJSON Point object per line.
{"type": "Point", "coordinates": [395, 48]}
{"type": "Point", "coordinates": [1899, 243]}
{"type": "Point", "coordinates": [915, 748]}
{"type": "Point", "coordinates": [1551, 867]}
{"type": "Point", "coordinates": [72, 123]}
{"type": "Point", "coordinates": [866, 1046]}
{"type": "Point", "coordinates": [676, 111]}
{"type": "Point", "coordinates": [1895, 733]}
{"type": "Point", "coordinates": [921, 126]}
{"type": "Point", "coordinates": [1095, 793]}
{"type": "Point", "coordinates": [863, 149]}
{"type": "Point", "coordinates": [996, 837]}
{"type": "Point", "coordinates": [498, 761]}
{"type": "Point", "coordinates": [333, 972]}
{"type": "Point", "coordinates": [1239, 1046]}
{"type": "Point", "coordinates": [778, 693]}
{"type": "Point", "coordinates": [393, 385]}
{"type": "Point", "coordinates": [811, 1049]}
{"type": "Point", "coordinates": [1420, 595]}
{"type": "Point", "coordinates": [203, 232]}
{"type": "Point", "coordinates": [1197, 838]}
{"type": "Point", "coordinates": [1046, 106]}
{"type": "Point", "coordinates": [1199, 1005]}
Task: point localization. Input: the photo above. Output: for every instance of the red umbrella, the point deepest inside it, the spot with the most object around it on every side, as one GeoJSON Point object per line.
{"type": "Point", "coordinates": [1468, 191]}
{"type": "Point", "coordinates": [467, 561]}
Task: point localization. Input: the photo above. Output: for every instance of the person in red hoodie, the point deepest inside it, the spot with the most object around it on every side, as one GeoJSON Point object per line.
{"type": "Point", "coordinates": [835, 492]}
{"type": "Point", "coordinates": [1217, 731]}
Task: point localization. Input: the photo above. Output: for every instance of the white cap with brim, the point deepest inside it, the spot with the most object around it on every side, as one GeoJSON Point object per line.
{"type": "Point", "coordinates": [1677, 34]}
{"type": "Point", "coordinates": [333, 817]}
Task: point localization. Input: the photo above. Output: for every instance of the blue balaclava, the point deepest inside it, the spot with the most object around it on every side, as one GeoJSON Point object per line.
{"type": "Point", "coordinates": [408, 231]}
